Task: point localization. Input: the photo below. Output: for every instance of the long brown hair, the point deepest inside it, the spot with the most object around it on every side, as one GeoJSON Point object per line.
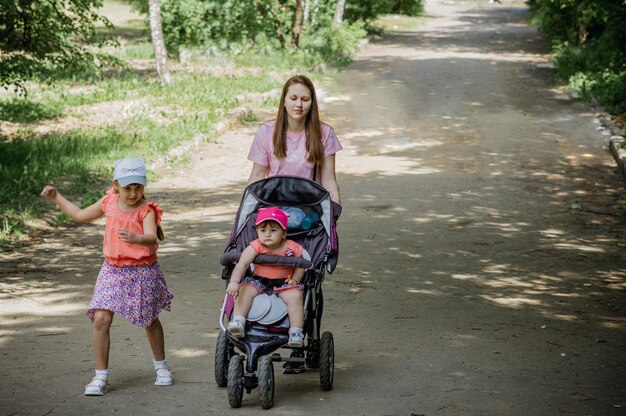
{"type": "Point", "coordinates": [312, 124]}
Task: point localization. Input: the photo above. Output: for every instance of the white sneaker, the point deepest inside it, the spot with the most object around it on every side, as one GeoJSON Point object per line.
{"type": "Point", "coordinates": [296, 339]}
{"type": "Point", "coordinates": [164, 376]}
{"type": "Point", "coordinates": [97, 386]}
{"type": "Point", "coordinates": [237, 328]}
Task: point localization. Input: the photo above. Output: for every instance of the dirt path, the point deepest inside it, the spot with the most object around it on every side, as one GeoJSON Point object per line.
{"type": "Point", "coordinates": [482, 264]}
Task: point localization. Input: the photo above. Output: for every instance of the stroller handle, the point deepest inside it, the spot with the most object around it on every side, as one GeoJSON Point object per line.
{"type": "Point", "coordinates": [222, 312]}
{"type": "Point", "coordinates": [232, 257]}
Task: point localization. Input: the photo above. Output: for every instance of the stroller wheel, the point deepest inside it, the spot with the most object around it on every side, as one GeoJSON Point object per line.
{"type": "Point", "coordinates": [327, 361]}
{"type": "Point", "coordinates": [266, 381]}
{"type": "Point", "coordinates": [235, 381]}
{"type": "Point", "coordinates": [222, 357]}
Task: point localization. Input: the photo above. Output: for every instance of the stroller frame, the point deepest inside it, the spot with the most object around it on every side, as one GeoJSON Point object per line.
{"type": "Point", "coordinates": [260, 343]}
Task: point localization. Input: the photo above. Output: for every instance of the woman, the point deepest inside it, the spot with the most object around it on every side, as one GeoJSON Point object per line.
{"type": "Point", "coordinates": [296, 143]}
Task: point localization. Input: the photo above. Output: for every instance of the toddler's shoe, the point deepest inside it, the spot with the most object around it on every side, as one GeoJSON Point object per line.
{"type": "Point", "coordinates": [164, 375]}
{"type": "Point", "coordinates": [97, 386]}
{"type": "Point", "coordinates": [296, 339]}
{"type": "Point", "coordinates": [237, 328]}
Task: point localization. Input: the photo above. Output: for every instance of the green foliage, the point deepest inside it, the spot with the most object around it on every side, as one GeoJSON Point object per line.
{"type": "Point", "coordinates": [369, 10]}
{"type": "Point", "coordinates": [238, 26]}
{"type": "Point", "coordinates": [225, 22]}
{"type": "Point", "coordinates": [12, 224]}
{"type": "Point", "coordinates": [408, 7]}
{"type": "Point", "coordinates": [26, 110]}
{"type": "Point", "coordinates": [588, 38]}
{"type": "Point", "coordinates": [334, 44]}
{"type": "Point", "coordinates": [47, 39]}
{"type": "Point", "coordinates": [27, 165]}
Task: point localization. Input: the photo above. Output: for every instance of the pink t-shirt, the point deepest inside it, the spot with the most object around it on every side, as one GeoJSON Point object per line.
{"type": "Point", "coordinates": [275, 271]}
{"type": "Point", "coordinates": [118, 252]}
{"type": "Point", "coordinates": [295, 164]}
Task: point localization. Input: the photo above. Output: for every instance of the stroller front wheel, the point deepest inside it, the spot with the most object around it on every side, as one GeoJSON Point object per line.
{"type": "Point", "coordinates": [266, 381]}
{"type": "Point", "coordinates": [222, 357]}
{"type": "Point", "coordinates": [235, 381]}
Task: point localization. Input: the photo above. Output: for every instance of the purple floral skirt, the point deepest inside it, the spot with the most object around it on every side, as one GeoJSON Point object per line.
{"type": "Point", "coordinates": [137, 293]}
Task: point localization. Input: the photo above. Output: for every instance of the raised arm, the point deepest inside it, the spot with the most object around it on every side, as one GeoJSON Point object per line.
{"type": "Point", "coordinates": [78, 214]}
{"type": "Point", "coordinates": [329, 178]}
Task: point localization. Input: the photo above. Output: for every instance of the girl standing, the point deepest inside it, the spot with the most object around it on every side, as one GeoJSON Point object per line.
{"type": "Point", "coordinates": [296, 143]}
{"type": "Point", "coordinates": [130, 282]}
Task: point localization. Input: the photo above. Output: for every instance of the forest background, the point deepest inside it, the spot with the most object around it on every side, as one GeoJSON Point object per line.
{"type": "Point", "coordinates": [87, 82]}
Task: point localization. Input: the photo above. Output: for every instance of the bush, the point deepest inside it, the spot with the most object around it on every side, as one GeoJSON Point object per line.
{"type": "Point", "coordinates": [588, 39]}
{"type": "Point", "coordinates": [335, 44]}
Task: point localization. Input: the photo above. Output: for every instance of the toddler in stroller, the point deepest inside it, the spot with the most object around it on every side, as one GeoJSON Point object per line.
{"type": "Point", "coordinates": [311, 225]}
{"type": "Point", "coordinates": [271, 226]}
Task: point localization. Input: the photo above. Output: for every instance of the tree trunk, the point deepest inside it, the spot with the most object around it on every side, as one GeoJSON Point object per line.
{"type": "Point", "coordinates": [160, 53]}
{"type": "Point", "coordinates": [316, 9]}
{"type": "Point", "coordinates": [307, 11]}
{"type": "Point", "coordinates": [297, 25]}
{"type": "Point", "coordinates": [338, 17]}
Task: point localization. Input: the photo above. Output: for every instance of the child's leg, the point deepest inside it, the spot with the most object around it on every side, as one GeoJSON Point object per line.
{"type": "Point", "coordinates": [156, 338]}
{"type": "Point", "coordinates": [244, 301]}
{"type": "Point", "coordinates": [101, 338]}
{"type": "Point", "coordinates": [237, 325]}
{"type": "Point", "coordinates": [295, 309]}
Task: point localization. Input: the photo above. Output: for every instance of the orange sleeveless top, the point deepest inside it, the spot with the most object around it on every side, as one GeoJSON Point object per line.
{"type": "Point", "coordinates": [120, 253]}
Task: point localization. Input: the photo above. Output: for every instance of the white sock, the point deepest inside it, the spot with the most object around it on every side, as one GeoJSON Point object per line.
{"type": "Point", "coordinates": [239, 318]}
{"type": "Point", "coordinates": [159, 363]}
{"type": "Point", "coordinates": [295, 329]}
{"type": "Point", "coordinates": [103, 373]}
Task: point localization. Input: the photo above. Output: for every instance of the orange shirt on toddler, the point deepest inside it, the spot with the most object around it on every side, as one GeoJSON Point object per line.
{"type": "Point", "coordinates": [275, 271]}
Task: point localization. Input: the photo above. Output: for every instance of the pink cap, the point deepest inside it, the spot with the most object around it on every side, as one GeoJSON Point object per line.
{"type": "Point", "coordinates": [273, 214]}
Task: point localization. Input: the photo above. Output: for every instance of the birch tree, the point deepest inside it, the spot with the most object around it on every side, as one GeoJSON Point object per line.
{"type": "Point", "coordinates": [156, 32]}
{"type": "Point", "coordinates": [338, 17]}
{"type": "Point", "coordinates": [297, 25]}
{"type": "Point", "coordinates": [307, 10]}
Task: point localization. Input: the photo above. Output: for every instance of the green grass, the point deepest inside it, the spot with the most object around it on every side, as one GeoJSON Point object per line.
{"type": "Point", "coordinates": [146, 120]}
{"type": "Point", "coordinates": [129, 24]}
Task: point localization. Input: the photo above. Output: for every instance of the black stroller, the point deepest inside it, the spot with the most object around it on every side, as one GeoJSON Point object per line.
{"type": "Point", "coordinates": [314, 217]}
